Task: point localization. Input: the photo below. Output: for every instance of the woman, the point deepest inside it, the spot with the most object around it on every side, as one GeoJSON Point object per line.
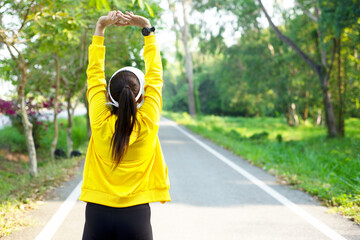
{"type": "Point", "coordinates": [124, 169]}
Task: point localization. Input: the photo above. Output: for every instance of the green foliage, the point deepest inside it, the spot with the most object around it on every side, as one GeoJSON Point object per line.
{"type": "Point", "coordinates": [175, 90]}
{"type": "Point", "coordinates": [106, 4]}
{"type": "Point", "coordinates": [263, 76]}
{"type": "Point", "coordinates": [56, 25]}
{"type": "Point", "coordinates": [326, 168]}
{"type": "Point", "coordinates": [338, 15]}
{"type": "Point", "coordinates": [79, 132]}
{"type": "Point", "coordinates": [256, 77]}
{"type": "Point", "coordinates": [14, 140]}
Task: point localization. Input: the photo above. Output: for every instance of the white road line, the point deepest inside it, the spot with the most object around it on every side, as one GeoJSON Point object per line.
{"type": "Point", "coordinates": [292, 206]}
{"type": "Point", "coordinates": [55, 222]}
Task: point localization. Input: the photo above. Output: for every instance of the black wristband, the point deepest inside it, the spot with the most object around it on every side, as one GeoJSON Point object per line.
{"type": "Point", "coordinates": [146, 31]}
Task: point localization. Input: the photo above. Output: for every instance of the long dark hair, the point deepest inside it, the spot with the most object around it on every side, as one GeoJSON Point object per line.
{"type": "Point", "coordinates": [124, 87]}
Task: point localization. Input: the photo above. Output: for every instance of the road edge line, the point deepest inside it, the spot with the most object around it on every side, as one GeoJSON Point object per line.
{"type": "Point", "coordinates": [58, 218]}
{"type": "Point", "coordinates": [322, 227]}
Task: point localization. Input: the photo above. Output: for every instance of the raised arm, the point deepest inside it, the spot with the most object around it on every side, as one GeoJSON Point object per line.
{"type": "Point", "coordinates": [153, 87]}
{"type": "Point", "coordinates": [153, 77]}
{"type": "Point", "coordinates": [95, 72]}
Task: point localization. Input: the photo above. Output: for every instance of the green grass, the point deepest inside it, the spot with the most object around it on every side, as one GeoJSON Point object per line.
{"type": "Point", "coordinates": [12, 139]}
{"type": "Point", "coordinates": [326, 168]}
{"type": "Point", "coordinates": [18, 190]}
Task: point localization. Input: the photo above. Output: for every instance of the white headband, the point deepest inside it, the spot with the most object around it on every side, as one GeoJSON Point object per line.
{"type": "Point", "coordinates": [139, 74]}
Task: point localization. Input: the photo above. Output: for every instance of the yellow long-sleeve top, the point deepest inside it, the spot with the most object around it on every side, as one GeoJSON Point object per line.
{"type": "Point", "coordinates": [142, 176]}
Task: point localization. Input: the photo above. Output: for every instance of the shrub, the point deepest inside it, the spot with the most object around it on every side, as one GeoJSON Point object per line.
{"type": "Point", "coordinates": [259, 136]}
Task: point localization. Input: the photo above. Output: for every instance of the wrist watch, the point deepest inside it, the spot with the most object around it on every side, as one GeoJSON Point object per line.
{"type": "Point", "coordinates": [146, 31]}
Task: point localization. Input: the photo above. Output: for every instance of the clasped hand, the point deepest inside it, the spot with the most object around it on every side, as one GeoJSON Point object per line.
{"type": "Point", "coordinates": [117, 18]}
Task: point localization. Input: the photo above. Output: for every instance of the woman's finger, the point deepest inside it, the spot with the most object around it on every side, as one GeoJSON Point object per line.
{"type": "Point", "coordinates": [130, 13]}
{"type": "Point", "coordinates": [118, 13]}
{"type": "Point", "coordinates": [125, 17]}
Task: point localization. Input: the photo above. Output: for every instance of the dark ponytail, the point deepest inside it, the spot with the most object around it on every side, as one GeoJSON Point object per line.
{"type": "Point", "coordinates": [126, 119]}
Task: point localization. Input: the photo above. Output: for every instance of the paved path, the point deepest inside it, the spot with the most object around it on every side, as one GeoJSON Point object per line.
{"type": "Point", "coordinates": [215, 196]}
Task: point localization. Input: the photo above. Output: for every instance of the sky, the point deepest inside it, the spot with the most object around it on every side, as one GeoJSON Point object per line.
{"type": "Point", "coordinates": [166, 37]}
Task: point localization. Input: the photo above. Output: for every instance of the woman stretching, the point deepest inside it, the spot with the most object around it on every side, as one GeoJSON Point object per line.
{"type": "Point", "coordinates": [124, 169]}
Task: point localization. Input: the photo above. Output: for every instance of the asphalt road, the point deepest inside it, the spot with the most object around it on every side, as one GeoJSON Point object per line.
{"type": "Point", "coordinates": [215, 196]}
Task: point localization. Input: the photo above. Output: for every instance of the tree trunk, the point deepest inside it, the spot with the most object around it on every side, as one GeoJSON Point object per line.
{"type": "Point", "coordinates": [69, 126]}
{"type": "Point", "coordinates": [318, 118]}
{"type": "Point", "coordinates": [288, 118]}
{"type": "Point", "coordinates": [291, 116]}
{"type": "Point", "coordinates": [324, 82]}
{"type": "Point", "coordinates": [306, 108]}
{"type": "Point", "coordinates": [71, 88]}
{"type": "Point", "coordinates": [21, 64]}
{"type": "Point", "coordinates": [328, 106]}
{"type": "Point", "coordinates": [341, 111]}
{"type": "Point", "coordinates": [294, 114]}
{"type": "Point", "coordinates": [329, 110]}
{"type": "Point", "coordinates": [56, 105]}
{"type": "Point", "coordinates": [345, 83]}
{"type": "Point", "coordinates": [188, 58]}
{"type": "Point", "coordinates": [185, 38]}
{"type": "Point", "coordinates": [320, 71]}
{"type": "Point", "coordinates": [25, 120]}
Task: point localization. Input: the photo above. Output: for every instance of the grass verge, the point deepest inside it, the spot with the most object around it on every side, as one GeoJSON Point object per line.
{"type": "Point", "coordinates": [19, 191]}
{"type": "Point", "coordinates": [303, 156]}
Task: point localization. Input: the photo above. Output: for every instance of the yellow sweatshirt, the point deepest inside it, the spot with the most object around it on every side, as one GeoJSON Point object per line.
{"type": "Point", "coordinates": [142, 176]}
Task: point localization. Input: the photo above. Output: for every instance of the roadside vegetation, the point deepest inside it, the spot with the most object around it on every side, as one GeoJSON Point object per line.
{"type": "Point", "coordinates": [327, 168]}
{"type": "Point", "coordinates": [19, 191]}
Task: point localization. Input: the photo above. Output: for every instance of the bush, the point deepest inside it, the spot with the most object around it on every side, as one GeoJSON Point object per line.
{"type": "Point", "coordinates": [79, 133]}
{"type": "Point", "coordinates": [259, 136]}
{"type": "Point", "coordinates": [235, 134]}
{"type": "Point", "coordinates": [12, 139]}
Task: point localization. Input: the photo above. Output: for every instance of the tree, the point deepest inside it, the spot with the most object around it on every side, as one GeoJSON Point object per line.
{"type": "Point", "coordinates": [335, 17]}
{"type": "Point", "coordinates": [344, 16]}
{"type": "Point", "coordinates": [56, 29]}
{"type": "Point", "coordinates": [184, 30]}
{"type": "Point", "coordinates": [322, 69]}
{"type": "Point", "coordinates": [13, 39]}
{"type": "Point", "coordinates": [74, 82]}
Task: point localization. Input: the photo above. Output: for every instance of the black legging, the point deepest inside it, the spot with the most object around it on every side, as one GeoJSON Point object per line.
{"type": "Point", "coordinates": [130, 223]}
